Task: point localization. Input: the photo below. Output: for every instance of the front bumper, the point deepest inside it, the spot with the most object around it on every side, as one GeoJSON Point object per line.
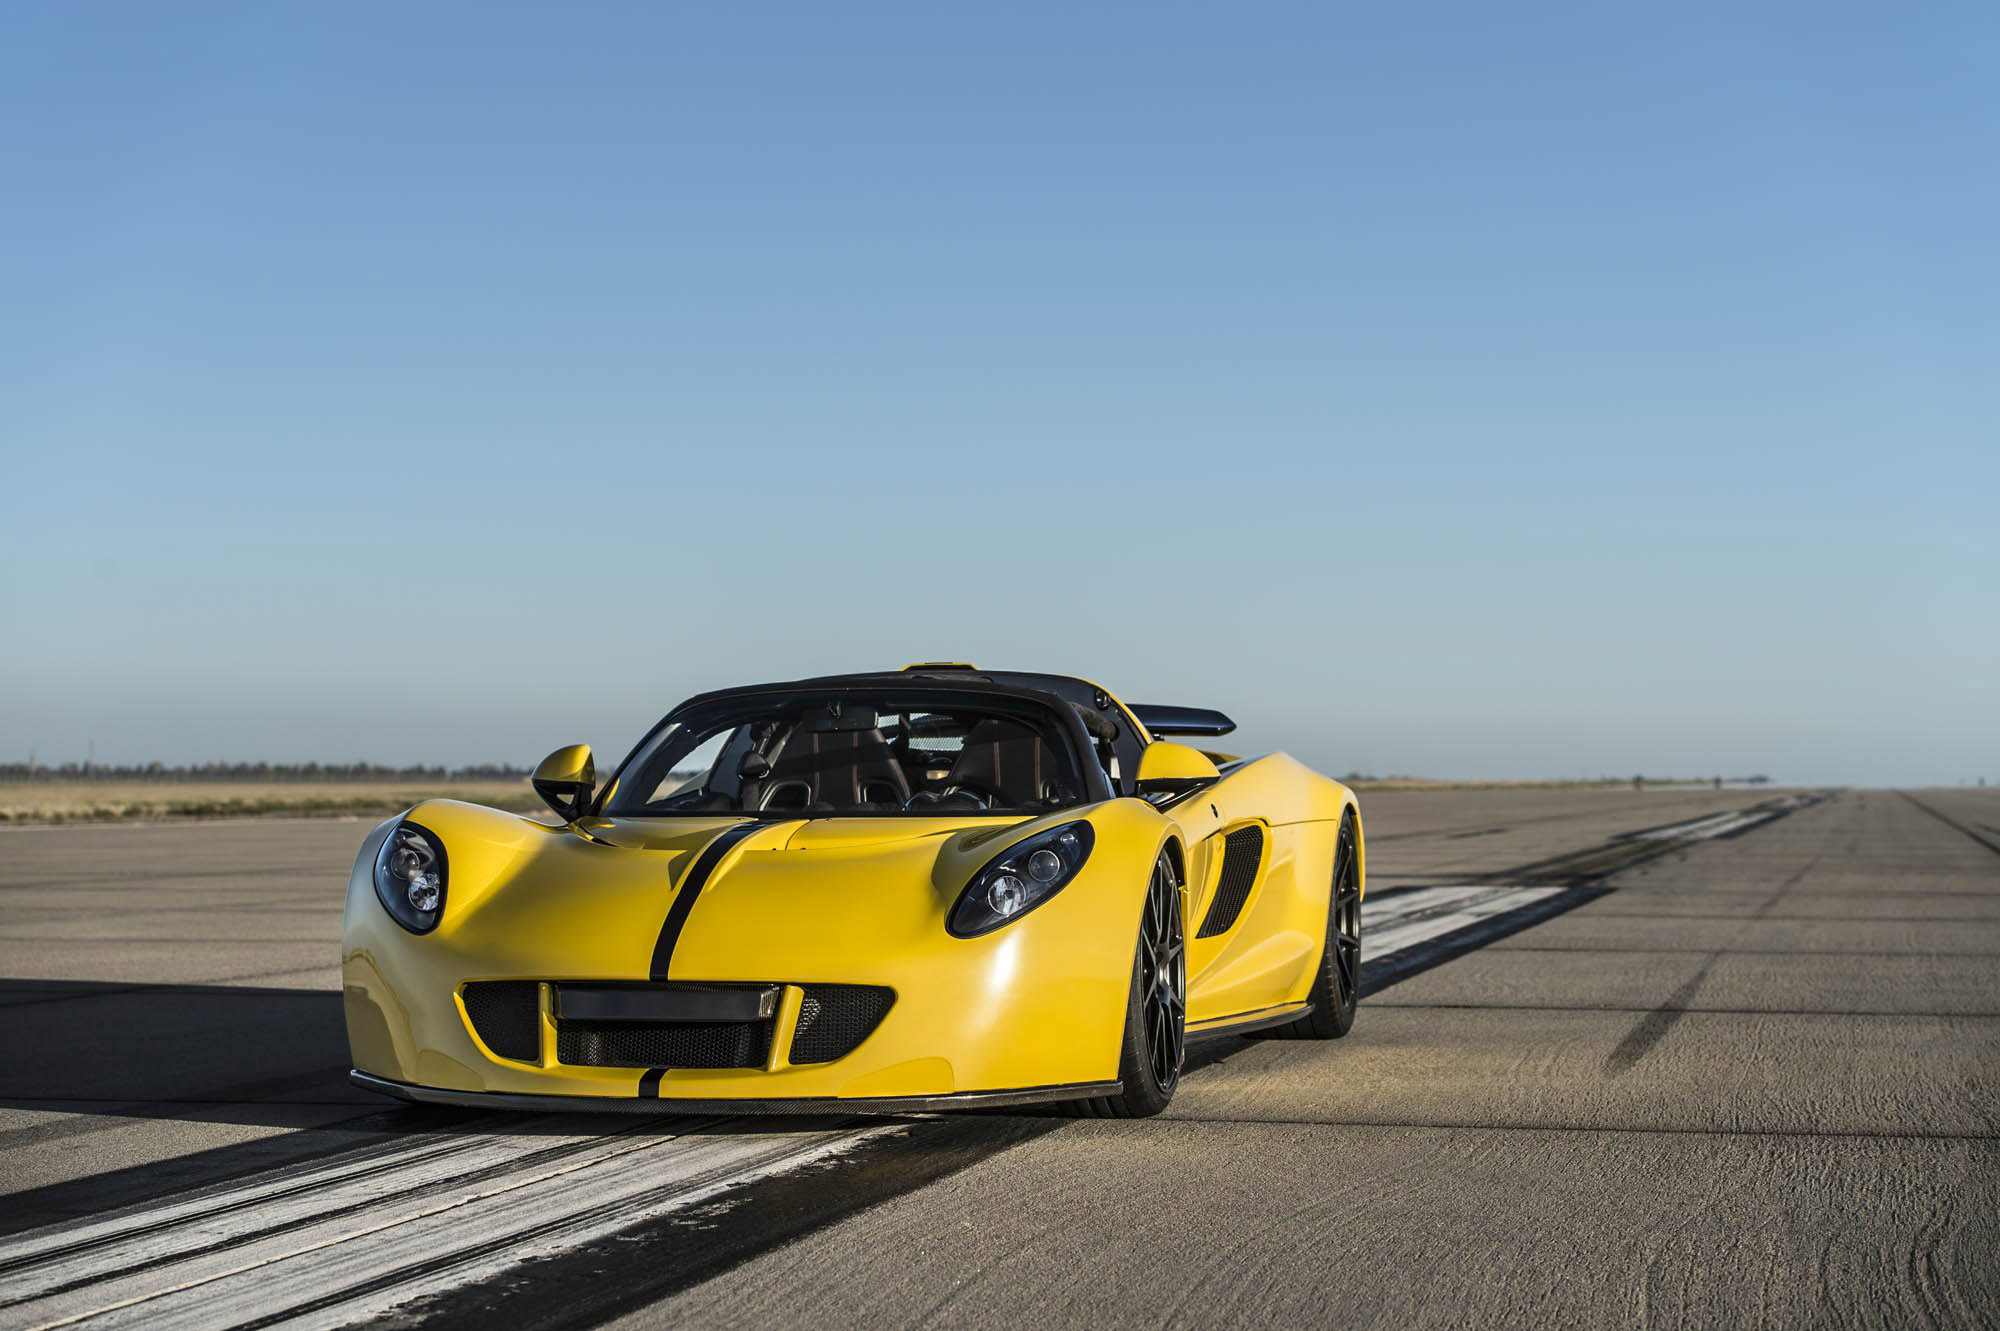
{"type": "Point", "coordinates": [828, 1105]}
{"type": "Point", "coordinates": [939, 1043]}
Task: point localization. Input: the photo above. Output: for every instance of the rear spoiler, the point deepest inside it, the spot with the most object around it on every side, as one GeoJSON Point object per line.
{"type": "Point", "coordinates": [1182, 720]}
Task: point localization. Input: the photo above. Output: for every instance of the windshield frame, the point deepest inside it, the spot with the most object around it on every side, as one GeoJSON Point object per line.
{"type": "Point", "coordinates": [1053, 715]}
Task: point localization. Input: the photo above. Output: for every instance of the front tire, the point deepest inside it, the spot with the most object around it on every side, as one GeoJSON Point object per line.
{"type": "Point", "coordinates": [1155, 1045]}
{"type": "Point", "coordinates": [1336, 989]}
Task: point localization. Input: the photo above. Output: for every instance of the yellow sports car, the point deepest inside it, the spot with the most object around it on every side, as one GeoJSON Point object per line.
{"type": "Point", "coordinates": [909, 890]}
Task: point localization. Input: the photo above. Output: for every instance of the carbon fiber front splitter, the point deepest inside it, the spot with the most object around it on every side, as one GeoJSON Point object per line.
{"type": "Point", "coordinates": [668, 1104]}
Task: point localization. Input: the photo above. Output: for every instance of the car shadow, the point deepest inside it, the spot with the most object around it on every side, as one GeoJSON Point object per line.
{"type": "Point", "coordinates": [235, 1054]}
{"type": "Point", "coordinates": [90, 1046]}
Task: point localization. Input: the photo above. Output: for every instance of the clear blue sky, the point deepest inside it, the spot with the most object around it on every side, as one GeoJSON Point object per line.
{"type": "Point", "coordinates": [1457, 390]}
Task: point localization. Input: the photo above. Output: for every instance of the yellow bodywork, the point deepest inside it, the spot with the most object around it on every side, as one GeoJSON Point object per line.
{"type": "Point", "coordinates": [1039, 1002]}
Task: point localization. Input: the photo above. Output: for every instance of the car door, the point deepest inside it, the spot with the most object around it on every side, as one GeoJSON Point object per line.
{"type": "Point", "coordinates": [1251, 944]}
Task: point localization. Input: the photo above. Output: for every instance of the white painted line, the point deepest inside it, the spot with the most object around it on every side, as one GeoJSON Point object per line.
{"type": "Point", "coordinates": [590, 1221]}
{"type": "Point", "coordinates": [1410, 918]}
{"type": "Point", "coordinates": [235, 1216]}
{"type": "Point", "coordinates": [1702, 829]}
{"type": "Point", "coordinates": [37, 1247]}
{"type": "Point", "coordinates": [226, 1254]}
{"type": "Point", "coordinates": [454, 1228]}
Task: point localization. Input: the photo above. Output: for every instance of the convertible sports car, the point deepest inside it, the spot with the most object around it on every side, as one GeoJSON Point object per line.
{"type": "Point", "coordinates": [907, 890]}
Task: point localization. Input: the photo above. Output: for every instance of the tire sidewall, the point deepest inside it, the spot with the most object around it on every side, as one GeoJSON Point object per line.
{"type": "Point", "coordinates": [1142, 1093]}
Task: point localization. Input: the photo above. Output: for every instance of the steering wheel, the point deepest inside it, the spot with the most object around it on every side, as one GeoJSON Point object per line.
{"type": "Point", "coordinates": [925, 799]}
{"type": "Point", "coordinates": [987, 795]}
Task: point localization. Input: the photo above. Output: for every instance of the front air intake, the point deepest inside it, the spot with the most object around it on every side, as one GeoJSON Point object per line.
{"type": "Point", "coordinates": [507, 1017]}
{"type": "Point", "coordinates": [835, 1018]}
{"type": "Point", "coordinates": [663, 1044]}
{"type": "Point", "coordinates": [1241, 851]}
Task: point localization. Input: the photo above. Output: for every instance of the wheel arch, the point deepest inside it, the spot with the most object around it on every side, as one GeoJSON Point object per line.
{"type": "Point", "coordinates": [1176, 853]}
{"type": "Point", "coordinates": [1353, 808]}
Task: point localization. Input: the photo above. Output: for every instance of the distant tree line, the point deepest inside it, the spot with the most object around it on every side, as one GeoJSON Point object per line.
{"type": "Point", "coordinates": [258, 772]}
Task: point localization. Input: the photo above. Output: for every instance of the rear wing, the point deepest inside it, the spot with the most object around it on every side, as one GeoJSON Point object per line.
{"type": "Point", "coordinates": [1161, 720]}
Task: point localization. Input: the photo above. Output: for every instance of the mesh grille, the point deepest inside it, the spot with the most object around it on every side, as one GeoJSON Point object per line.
{"type": "Point", "coordinates": [663, 1044]}
{"type": "Point", "coordinates": [835, 1018]}
{"type": "Point", "coordinates": [507, 1016]}
{"type": "Point", "coordinates": [1241, 850]}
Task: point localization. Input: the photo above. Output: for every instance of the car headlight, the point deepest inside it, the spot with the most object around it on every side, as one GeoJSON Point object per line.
{"type": "Point", "coordinates": [1026, 875]}
{"type": "Point", "coordinates": [409, 877]}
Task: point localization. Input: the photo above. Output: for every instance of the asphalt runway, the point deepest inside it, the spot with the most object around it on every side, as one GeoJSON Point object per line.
{"type": "Point", "coordinates": [1667, 1056]}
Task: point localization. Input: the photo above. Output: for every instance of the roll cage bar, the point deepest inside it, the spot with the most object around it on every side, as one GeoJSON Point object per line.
{"type": "Point", "coordinates": [968, 688]}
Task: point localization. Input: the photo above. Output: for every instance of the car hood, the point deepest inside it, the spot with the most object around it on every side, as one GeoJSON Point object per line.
{"type": "Point", "coordinates": [795, 900]}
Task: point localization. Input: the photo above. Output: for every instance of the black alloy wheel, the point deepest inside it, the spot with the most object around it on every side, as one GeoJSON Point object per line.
{"type": "Point", "coordinates": [1163, 978]}
{"type": "Point", "coordinates": [1155, 1042]}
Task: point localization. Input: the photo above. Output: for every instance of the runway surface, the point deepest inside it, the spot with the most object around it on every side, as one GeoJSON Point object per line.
{"type": "Point", "coordinates": [1634, 1056]}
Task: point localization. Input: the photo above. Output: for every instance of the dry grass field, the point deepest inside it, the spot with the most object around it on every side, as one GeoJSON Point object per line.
{"type": "Point", "coordinates": [118, 801]}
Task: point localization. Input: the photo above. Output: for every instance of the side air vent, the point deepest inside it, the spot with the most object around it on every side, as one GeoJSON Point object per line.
{"type": "Point", "coordinates": [835, 1018]}
{"type": "Point", "coordinates": [1241, 850]}
{"type": "Point", "coordinates": [507, 1016]}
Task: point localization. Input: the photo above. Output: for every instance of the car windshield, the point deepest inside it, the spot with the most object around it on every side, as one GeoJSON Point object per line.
{"type": "Point", "coordinates": [833, 754]}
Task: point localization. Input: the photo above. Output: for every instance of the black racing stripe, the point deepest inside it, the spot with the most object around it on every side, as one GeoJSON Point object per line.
{"type": "Point", "coordinates": [704, 865]}
{"type": "Point", "coordinates": [649, 1085]}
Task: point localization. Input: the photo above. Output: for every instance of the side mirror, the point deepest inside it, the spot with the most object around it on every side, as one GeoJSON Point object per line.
{"type": "Point", "coordinates": [1167, 768]}
{"type": "Point", "coordinates": [565, 780]}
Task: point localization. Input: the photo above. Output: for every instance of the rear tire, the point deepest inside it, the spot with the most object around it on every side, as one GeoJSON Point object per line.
{"type": "Point", "coordinates": [1336, 989]}
{"type": "Point", "coordinates": [1155, 1044]}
